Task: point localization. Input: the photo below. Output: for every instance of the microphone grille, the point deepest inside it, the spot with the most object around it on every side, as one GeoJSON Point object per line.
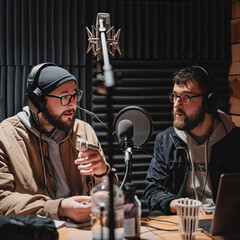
{"type": "Point", "coordinates": [125, 128]}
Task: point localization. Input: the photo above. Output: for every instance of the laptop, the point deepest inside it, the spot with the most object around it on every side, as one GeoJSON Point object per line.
{"type": "Point", "coordinates": [226, 218]}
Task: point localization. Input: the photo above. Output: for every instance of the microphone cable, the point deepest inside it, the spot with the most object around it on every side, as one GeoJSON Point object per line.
{"type": "Point", "coordinates": [45, 181]}
{"type": "Point", "coordinates": [125, 176]}
{"type": "Point", "coordinates": [93, 115]}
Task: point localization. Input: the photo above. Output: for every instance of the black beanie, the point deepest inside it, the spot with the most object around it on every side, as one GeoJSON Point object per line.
{"type": "Point", "coordinates": [52, 77]}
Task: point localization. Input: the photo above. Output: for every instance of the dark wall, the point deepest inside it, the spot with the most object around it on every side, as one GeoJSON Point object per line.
{"type": "Point", "coordinates": [36, 31]}
{"type": "Point", "coordinates": [157, 37]}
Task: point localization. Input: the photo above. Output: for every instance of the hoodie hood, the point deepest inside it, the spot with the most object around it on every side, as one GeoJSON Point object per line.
{"type": "Point", "coordinates": [58, 136]}
{"type": "Point", "coordinates": [220, 129]}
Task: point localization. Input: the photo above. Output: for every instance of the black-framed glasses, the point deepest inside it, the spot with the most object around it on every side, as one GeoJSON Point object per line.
{"type": "Point", "coordinates": [66, 99]}
{"type": "Point", "coordinates": [184, 98]}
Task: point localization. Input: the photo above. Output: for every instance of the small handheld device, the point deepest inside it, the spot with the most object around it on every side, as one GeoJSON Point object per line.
{"type": "Point", "coordinates": [83, 145]}
{"type": "Point", "coordinates": [72, 224]}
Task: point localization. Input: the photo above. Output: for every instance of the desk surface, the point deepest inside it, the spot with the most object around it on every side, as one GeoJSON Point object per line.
{"type": "Point", "coordinates": [155, 225]}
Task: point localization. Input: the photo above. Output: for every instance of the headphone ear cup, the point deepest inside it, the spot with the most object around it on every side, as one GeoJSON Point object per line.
{"type": "Point", "coordinates": [34, 95]}
{"type": "Point", "coordinates": [34, 100]}
{"type": "Point", "coordinates": [212, 103]}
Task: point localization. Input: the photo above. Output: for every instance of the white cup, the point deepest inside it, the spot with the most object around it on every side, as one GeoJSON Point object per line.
{"type": "Point", "coordinates": [188, 211]}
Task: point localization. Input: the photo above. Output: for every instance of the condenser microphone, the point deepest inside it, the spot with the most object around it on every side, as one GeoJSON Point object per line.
{"type": "Point", "coordinates": [103, 40]}
{"type": "Point", "coordinates": [125, 131]}
{"type": "Point", "coordinates": [94, 38]}
{"type": "Point", "coordinates": [105, 18]}
{"type": "Point", "coordinates": [82, 145]}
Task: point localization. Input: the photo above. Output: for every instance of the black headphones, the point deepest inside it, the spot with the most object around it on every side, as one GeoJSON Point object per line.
{"type": "Point", "coordinates": [212, 99]}
{"type": "Point", "coordinates": [34, 96]}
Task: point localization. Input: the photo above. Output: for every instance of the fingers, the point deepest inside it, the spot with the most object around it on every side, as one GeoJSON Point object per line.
{"type": "Point", "coordinates": [202, 212]}
{"type": "Point", "coordinates": [86, 161]}
{"type": "Point", "coordinates": [91, 162]}
{"type": "Point", "coordinates": [77, 208]}
{"type": "Point", "coordinates": [173, 204]}
{"type": "Point", "coordinates": [87, 157]}
{"type": "Point", "coordinates": [82, 199]}
{"type": "Point", "coordinates": [90, 168]}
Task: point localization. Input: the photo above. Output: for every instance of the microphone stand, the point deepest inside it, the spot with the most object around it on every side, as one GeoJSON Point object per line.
{"type": "Point", "coordinates": [109, 84]}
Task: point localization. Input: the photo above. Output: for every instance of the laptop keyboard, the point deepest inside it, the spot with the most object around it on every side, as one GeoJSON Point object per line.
{"type": "Point", "coordinates": [206, 227]}
{"type": "Point", "coordinates": [205, 224]}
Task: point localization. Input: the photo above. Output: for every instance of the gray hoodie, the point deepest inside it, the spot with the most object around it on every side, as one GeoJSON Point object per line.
{"type": "Point", "coordinates": [53, 141]}
{"type": "Point", "coordinates": [198, 184]}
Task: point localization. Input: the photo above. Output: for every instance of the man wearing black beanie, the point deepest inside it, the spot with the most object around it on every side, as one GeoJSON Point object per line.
{"type": "Point", "coordinates": [41, 172]}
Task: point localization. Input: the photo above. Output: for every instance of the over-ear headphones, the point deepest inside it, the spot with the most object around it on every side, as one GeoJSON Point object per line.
{"type": "Point", "coordinates": [34, 96]}
{"type": "Point", "coordinates": [212, 99]}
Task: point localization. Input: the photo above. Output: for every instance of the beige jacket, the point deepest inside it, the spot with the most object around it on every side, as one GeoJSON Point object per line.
{"type": "Point", "coordinates": [22, 185]}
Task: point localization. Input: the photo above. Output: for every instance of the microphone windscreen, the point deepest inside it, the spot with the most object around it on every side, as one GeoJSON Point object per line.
{"type": "Point", "coordinates": [125, 128]}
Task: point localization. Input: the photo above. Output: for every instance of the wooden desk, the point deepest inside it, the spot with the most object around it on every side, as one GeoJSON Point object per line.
{"type": "Point", "coordinates": [171, 223]}
{"type": "Point", "coordinates": [154, 224]}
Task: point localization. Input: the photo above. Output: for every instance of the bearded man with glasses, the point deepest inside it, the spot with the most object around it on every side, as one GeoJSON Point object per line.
{"type": "Point", "coordinates": [41, 171]}
{"type": "Point", "coordinates": [190, 156]}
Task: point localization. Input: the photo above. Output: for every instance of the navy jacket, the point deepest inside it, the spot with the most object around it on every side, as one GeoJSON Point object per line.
{"type": "Point", "coordinates": [167, 175]}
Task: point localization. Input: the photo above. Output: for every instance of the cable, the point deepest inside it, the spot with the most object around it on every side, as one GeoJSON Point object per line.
{"type": "Point", "coordinates": [147, 219]}
{"type": "Point", "coordinates": [158, 220]}
{"type": "Point", "coordinates": [45, 181]}
{"type": "Point", "coordinates": [162, 229]}
{"type": "Point", "coordinates": [94, 115]}
{"type": "Point", "coordinates": [206, 178]}
{"type": "Point", "coordinates": [125, 176]}
{"type": "Point", "coordinates": [73, 145]}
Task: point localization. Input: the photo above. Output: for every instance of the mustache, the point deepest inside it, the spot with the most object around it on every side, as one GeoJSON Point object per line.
{"type": "Point", "coordinates": [179, 110]}
{"type": "Point", "coordinates": [69, 111]}
{"type": "Point", "coordinates": [176, 111]}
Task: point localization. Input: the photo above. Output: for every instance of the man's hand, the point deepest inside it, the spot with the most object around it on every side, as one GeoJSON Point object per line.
{"type": "Point", "coordinates": [91, 162]}
{"type": "Point", "coordinates": [77, 208]}
{"type": "Point", "coordinates": [173, 206]}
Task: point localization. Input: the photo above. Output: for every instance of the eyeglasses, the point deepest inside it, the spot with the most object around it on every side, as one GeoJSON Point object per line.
{"type": "Point", "coordinates": [66, 99]}
{"type": "Point", "coordinates": [184, 98]}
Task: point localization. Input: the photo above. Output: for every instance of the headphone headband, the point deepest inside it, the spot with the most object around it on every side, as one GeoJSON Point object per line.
{"type": "Point", "coordinates": [212, 100]}
{"type": "Point", "coordinates": [34, 96]}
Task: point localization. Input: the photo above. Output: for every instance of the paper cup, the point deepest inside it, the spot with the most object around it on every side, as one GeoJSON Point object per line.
{"type": "Point", "coordinates": [188, 211]}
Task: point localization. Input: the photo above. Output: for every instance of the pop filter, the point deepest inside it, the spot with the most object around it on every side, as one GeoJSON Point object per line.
{"type": "Point", "coordinates": [142, 124]}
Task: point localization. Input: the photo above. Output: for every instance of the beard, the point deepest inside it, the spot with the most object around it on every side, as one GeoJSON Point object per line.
{"type": "Point", "coordinates": [188, 122]}
{"type": "Point", "coordinates": [56, 120]}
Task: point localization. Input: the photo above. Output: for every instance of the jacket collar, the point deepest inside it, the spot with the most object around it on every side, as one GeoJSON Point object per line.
{"type": "Point", "coordinates": [178, 142]}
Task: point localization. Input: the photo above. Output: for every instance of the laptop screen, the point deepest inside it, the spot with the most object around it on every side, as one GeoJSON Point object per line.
{"type": "Point", "coordinates": [226, 220]}
{"type": "Point", "coordinates": [227, 211]}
